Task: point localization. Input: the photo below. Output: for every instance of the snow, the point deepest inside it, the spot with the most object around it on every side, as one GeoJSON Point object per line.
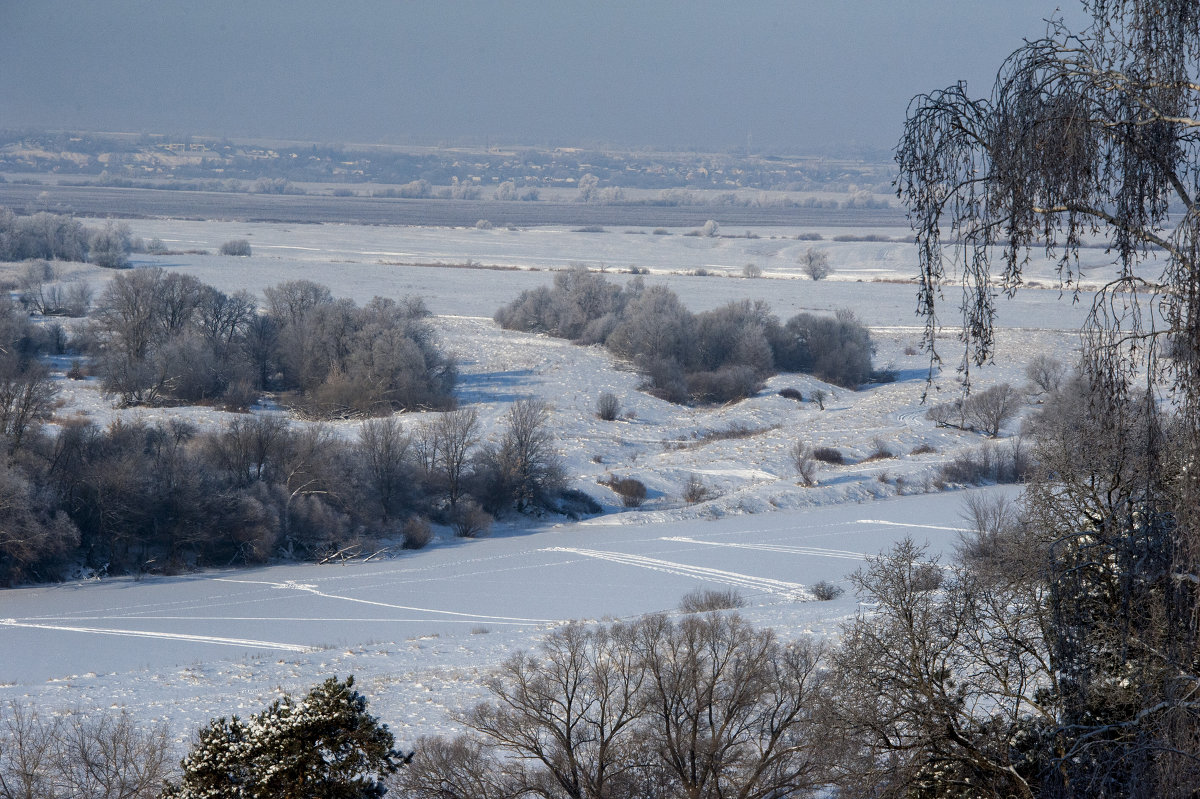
{"type": "Point", "coordinates": [420, 629]}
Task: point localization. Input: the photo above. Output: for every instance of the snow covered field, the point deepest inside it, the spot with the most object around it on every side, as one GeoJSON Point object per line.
{"type": "Point", "coordinates": [419, 629]}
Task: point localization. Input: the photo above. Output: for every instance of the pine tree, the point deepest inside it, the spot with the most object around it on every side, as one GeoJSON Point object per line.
{"type": "Point", "coordinates": [325, 746]}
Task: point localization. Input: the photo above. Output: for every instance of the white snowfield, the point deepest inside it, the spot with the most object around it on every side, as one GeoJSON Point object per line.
{"type": "Point", "coordinates": [421, 629]}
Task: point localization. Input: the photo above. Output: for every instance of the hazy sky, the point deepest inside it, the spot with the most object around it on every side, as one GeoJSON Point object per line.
{"type": "Point", "coordinates": [799, 76]}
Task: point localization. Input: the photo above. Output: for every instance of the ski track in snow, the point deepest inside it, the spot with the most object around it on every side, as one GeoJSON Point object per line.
{"type": "Point", "coordinates": [917, 526]}
{"type": "Point", "coordinates": [764, 584]}
{"type": "Point", "coordinates": [783, 548]}
{"type": "Point", "coordinates": [312, 589]}
{"type": "Point", "coordinates": [202, 639]}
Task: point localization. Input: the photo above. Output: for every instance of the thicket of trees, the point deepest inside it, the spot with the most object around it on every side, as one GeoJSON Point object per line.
{"type": "Point", "coordinates": [154, 497]}
{"type": "Point", "coordinates": [140, 497]}
{"type": "Point", "coordinates": [43, 291]}
{"type": "Point", "coordinates": [1013, 669]}
{"type": "Point", "coordinates": [713, 356]}
{"type": "Point", "coordinates": [71, 755]}
{"type": "Point", "coordinates": [707, 706]}
{"type": "Point", "coordinates": [62, 238]}
{"type": "Point", "coordinates": [1008, 671]}
{"type": "Point", "coordinates": [164, 336]}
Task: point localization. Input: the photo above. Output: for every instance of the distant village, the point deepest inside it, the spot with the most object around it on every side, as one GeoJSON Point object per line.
{"type": "Point", "coordinates": [518, 173]}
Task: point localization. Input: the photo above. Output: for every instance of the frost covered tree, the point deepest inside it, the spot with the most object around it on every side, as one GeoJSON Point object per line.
{"type": "Point", "coordinates": [531, 466]}
{"type": "Point", "coordinates": [589, 188]}
{"type": "Point", "coordinates": [111, 246]}
{"type": "Point", "coordinates": [457, 432]}
{"type": "Point", "coordinates": [815, 263]}
{"type": "Point", "coordinates": [326, 745]}
{"type": "Point", "coordinates": [1094, 136]}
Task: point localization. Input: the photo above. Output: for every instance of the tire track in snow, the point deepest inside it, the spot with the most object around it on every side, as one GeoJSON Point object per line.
{"type": "Point", "coordinates": [764, 584]}
{"type": "Point", "coordinates": [908, 524]}
{"type": "Point", "coordinates": [201, 639]}
{"type": "Point", "coordinates": [312, 589]}
{"type": "Point", "coordinates": [784, 548]}
{"type": "Point", "coordinates": [296, 619]}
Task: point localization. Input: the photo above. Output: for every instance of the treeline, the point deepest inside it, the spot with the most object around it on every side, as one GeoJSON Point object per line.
{"type": "Point", "coordinates": [138, 497]}
{"type": "Point", "coordinates": [710, 357]}
{"type": "Point", "coordinates": [62, 238]}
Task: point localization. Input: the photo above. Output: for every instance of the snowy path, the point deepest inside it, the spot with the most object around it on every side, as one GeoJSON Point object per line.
{"type": "Point", "coordinates": [721, 576]}
{"type": "Point", "coordinates": [783, 549]}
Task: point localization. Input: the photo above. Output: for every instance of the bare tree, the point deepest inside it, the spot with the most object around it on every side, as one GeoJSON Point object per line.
{"type": "Point", "coordinates": [110, 247]}
{"type": "Point", "coordinates": [72, 297]}
{"type": "Point", "coordinates": [804, 463]}
{"type": "Point", "coordinates": [608, 406]}
{"type": "Point", "coordinates": [704, 708]}
{"type": "Point", "coordinates": [993, 536]}
{"type": "Point", "coordinates": [249, 447]}
{"type": "Point", "coordinates": [570, 709]}
{"type": "Point", "coordinates": [26, 398]}
{"type": "Point", "coordinates": [731, 711]}
{"type": "Point", "coordinates": [1093, 136]}
{"type": "Point", "coordinates": [126, 312]}
{"type": "Point", "coordinates": [948, 414]}
{"type": "Point", "coordinates": [178, 297]}
{"type": "Point", "coordinates": [425, 449]}
{"type": "Point", "coordinates": [135, 316]}
{"type": "Point", "coordinates": [947, 687]}
{"type": "Point", "coordinates": [1045, 374]}
{"type": "Point", "coordinates": [989, 410]}
{"type": "Point", "coordinates": [694, 490]}
{"type": "Point", "coordinates": [289, 301]}
{"type": "Point", "coordinates": [469, 520]}
{"type": "Point", "coordinates": [589, 188]}
{"type": "Point", "coordinates": [32, 284]}
{"type": "Point", "coordinates": [985, 411]}
{"type": "Point", "coordinates": [384, 445]}
{"type": "Point", "coordinates": [507, 190]}
{"type": "Point", "coordinates": [106, 756]}
{"type": "Point", "coordinates": [77, 756]}
{"type": "Point", "coordinates": [224, 319]}
{"type": "Point", "coordinates": [27, 754]}
{"type": "Point", "coordinates": [235, 247]}
{"type": "Point", "coordinates": [463, 767]}
{"type": "Point", "coordinates": [815, 263]}
{"type": "Point", "coordinates": [34, 536]}
{"type": "Point", "coordinates": [457, 432]}
{"type": "Point", "coordinates": [527, 455]}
